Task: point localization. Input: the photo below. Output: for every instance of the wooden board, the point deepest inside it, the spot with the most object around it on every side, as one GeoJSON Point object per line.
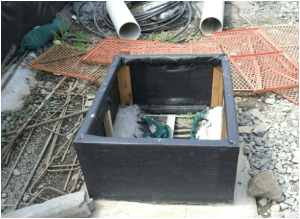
{"type": "Point", "coordinates": [125, 89]}
{"type": "Point", "coordinates": [224, 126]}
{"type": "Point", "coordinates": [217, 87]}
{"type": "Point", "coordinates": [108, 124]}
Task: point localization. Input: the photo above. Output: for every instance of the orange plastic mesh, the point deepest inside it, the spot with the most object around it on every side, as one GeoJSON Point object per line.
{"type": "Point", "coordinates": [286, 36]}
{"type": "Point", "coordinates": [290, 94]}
{"type": "Point", "coordinates": [71, 66]}
{"type": "Point", "coordinates": [267, 72]}
{"type": "Point", "coordinates": [245, 41]}
{"type": "Point", "coordinates": [104, 52]}
{"type": "Point", "coordinates": [238, 83]}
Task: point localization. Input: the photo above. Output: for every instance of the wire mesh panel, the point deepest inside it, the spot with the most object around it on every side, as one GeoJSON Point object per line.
{"type": "Point", "coordinates": [245, 41]}
{"type": "Point", "coordinates": [290, 94]}
{"type": "Point", "coordinates": [71, 66]}
{"type": "Point", "coordinates": [104, 52]}
{"type": "Point", "coordinates": [267, 72]}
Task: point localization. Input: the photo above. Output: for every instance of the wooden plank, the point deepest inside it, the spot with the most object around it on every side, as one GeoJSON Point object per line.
{"type": "Point", "coordinates": [245, 129]}
{"type": "Point", "coordinates": [125, 89]}
{"type": "Point", "coordinates": [184, 136]}
{"type": "Point", "coordinates": [108, 124]}
{"type": "Point", "coordinates": [171, 124]}
{"type": "Point", "coordinates": [182, 131]}
{"type": "Point", "coordinates": [224, 126]}
{"type": "Point", "coordinates": [217, 87]}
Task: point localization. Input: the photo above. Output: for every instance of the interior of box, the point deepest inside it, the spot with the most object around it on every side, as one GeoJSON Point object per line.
{"type": "Point", "coordinates": [168, 94]}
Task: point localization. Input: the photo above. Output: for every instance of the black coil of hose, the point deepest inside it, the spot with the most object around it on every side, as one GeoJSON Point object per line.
{"type": "Point", "coordinates": [162, 25]}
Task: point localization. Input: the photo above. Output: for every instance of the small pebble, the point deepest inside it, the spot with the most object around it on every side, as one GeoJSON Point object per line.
{"type": "Point", "coordinates": [3, 195]}
{"type": "Point", "coordinates": [26, 198]}
{"type": "Point", "coordinates": [16, 172]}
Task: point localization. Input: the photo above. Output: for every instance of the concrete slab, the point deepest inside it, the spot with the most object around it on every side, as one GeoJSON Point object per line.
{"type": "Point", "coordinates": [12, 96]}
{"type": "Point", "coordinates": [243, 206]}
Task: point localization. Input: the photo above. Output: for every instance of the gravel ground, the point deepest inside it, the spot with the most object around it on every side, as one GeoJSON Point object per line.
{"type": "Point", "coordinates": [275, 150]}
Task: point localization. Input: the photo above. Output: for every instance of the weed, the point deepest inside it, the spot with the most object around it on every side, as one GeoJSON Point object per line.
{"type": "Point", "coordinates": [265, 22]}
{"type": "Point", "coordinates": [81, 47]}
{"type": "Point", "coordinates": [162, 36]}
{"type": "Point", "coordinates": [82, 36]}
{"type": "Point", "coordinates": [56, 49]}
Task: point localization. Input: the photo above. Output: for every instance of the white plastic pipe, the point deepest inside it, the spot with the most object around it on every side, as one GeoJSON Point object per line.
{"type": "Point", "coordinates": [212, 17]}
{"type": "Point", "coordinates": [124, 22]}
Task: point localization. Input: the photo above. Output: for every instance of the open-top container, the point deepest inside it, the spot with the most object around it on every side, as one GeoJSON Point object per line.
{"type": "Point", "coordinates": [158, 169]}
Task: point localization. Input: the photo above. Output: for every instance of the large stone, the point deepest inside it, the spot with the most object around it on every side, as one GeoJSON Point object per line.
{"type": "Point", "coordinates": [263, 202]}
{"type": "Point", "coordinates": [257, 114]}
{"type": "Point", "coordinates": [261, 128]}
{"type": "Point", "coordinates": [270, 100]}
{"type": "Point", "coordinates": [290, 214]}
{"type": "Point", "coordinates": [73, 205]}
{"type": "Point", "coordinates": [264, 185]}
{"type": "Point", "coordinates": [275, 208]}
{"type": "Point", "coordinates": [276, 214]}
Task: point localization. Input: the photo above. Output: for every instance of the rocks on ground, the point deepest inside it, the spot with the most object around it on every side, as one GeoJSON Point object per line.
{"type": "Point", "coordinates": [274, 149]}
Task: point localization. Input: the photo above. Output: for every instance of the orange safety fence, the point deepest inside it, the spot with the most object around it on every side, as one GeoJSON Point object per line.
{"type": "Point", "coordinates": [71, 66]}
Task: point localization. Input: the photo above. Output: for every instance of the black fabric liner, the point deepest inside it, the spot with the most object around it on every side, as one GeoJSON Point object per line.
{"type": "Point", "coordinates": [173, 85]}
{"type": "Point", "coordinates": [158, 170]}
{"type": "Point", "coordinates": [18, 18]}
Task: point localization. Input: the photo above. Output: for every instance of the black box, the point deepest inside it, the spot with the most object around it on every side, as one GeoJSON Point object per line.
{"type": "Point", "coordinates": [161, 170]}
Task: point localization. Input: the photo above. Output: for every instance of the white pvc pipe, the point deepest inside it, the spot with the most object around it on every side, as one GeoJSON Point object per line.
{"type": "Point", "coordinates": [125, 24]}
{"type": "Point", "coordinates": [212, 17]}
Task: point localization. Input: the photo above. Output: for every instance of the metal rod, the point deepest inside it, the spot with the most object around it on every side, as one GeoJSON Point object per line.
{"type": "Point", "coordinates": [58, 130]}
{"type": "Point", "coordinates": [47, 188]}
{"type": "Point", "coordinates": [9, 65]}
{"type": "Point", "coordinates": [13, 71]}
{"type": "Point", "coordinates": [77, 94]}
{"type": "Point", "coordinates": [69, 175]}
{"type": "Point", "coordinates": [13, 168]}
{"type": "Point", "coordinates": [63, 170]}
{"type": "Point", "coordinates": [34, 169]}
{"type": "Point", "coordinates": [19, 132]}
{"type": "Point", "coordinates": [46, 122]}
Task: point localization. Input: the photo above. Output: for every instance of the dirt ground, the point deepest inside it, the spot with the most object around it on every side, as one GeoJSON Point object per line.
{"type": "Point", "coordinates": [257, 13]}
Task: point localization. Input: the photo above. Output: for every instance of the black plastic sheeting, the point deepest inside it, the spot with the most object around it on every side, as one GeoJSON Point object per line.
{"type": "Point", "coordinates": [18, 18]}
{"type": "Point", "coordinates": [159, 170]}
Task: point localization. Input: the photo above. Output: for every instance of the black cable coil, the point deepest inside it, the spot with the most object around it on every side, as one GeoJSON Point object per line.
{"type": "Point", "coordinates": [163, 25]}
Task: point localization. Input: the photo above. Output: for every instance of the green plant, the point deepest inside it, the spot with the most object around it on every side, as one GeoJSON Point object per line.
{"type": "Point", "coordinates": [81, 36]}
{"type": "Point", "coordinates": [39, 50]}
{"type": "Point", "coordinates": [56, 49]}
{"type": "Point", "coordinates": [81, 47]}
{"type": "Point", "coordinates": [162, 36]}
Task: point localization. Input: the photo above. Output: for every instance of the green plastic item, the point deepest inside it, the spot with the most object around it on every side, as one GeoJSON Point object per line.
{"type": "Point", "coordinates": [195, 123]}
{"type": "Point", "coordinates": [40, 36]}
{"type": "Point", "coordinates": [159, 131]}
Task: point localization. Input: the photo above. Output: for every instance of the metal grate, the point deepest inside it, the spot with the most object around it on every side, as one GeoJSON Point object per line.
{"type": "Point", "coordinates": [245, 41]}
{"type": "Point", "coordinates": [71, 66]}
{"type": "Point", "coordinates": [286, 36]}
{"type": "Point", "coordinates": [104, 52]}
{"type": "Point", "coordinates": [290, 94]}
{"type": "Point", "coordinates": [267, 72]}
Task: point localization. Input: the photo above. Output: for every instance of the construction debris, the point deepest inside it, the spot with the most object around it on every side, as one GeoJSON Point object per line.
{"type": "Point", "coordinates": [75, 205]}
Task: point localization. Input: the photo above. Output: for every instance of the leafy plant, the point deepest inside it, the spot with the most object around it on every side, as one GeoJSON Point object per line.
{"type": "Point", "coordinates": [81, 47]}
{"type": "Point", "coordinates": [162, 36]}
{"type": "Point", "coordinates": [81, 36]}
{"type": "Point", "coordinates": [56, 49]}
{"type": "Point", "coordinates": [189, 119]}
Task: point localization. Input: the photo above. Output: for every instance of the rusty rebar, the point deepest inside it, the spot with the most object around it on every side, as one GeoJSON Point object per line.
{"type": "Point", "coordinates": [46, 122]}
{"type": "Point", "coordinates": [69, 175]}
{"type": "Point", "coordinates": [10, 145]}
{"type": "Point", "coordinates": [46, 188]}
{"type": "Point", "coordinates": [9, 65]}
